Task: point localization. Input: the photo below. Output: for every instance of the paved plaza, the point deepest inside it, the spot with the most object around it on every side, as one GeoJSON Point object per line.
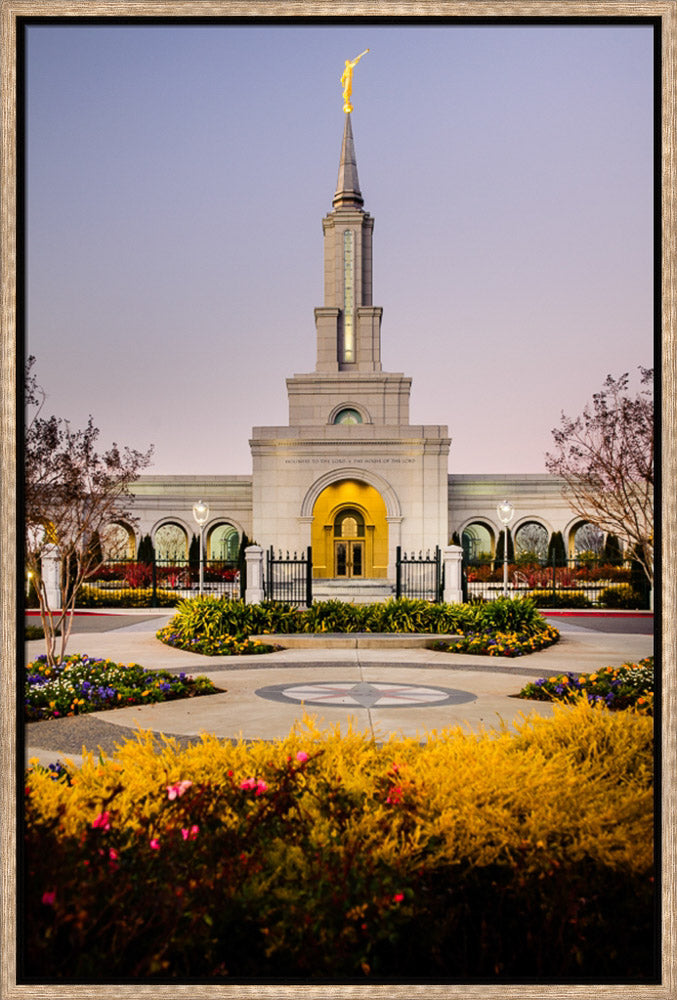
{"type": "Point", "coordinates": [373, 684]}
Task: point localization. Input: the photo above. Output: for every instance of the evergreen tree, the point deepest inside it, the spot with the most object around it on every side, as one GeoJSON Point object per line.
{"type": "Point", "coordinates": [500, 545]}
{"type": "Point", "coordinates": [94, 550]}
{"type": "Point", "coordinates": [611, 553]}
{"type": "Point", "coordinates": [145, 552]}
{"type": "Point", "coordinates": [242, 563]}
{"type": "Point", "coordinates": [194, 553]}
{"type": "Point", "coordinates": [638, 579]}
{"type": "Point", "coordinates": [455, 540]}
{"type": "Point", "coordinates": [557, 554]}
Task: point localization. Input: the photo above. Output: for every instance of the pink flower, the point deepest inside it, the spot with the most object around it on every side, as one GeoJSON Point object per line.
{"type": "Point", "coordinates": [48, 898]}
{"type": "Point", "coordinates": [190, 834]}
{"type": "Point", "coordinates": [251, 784]}
{"type": "Point", "coordinates": [301, 756]}
{"type": "Point", "coordinates": [395, 795]}
{"type": "Point", "coordinates": [155, 844]}
{"type": "Point", "coordinates": [398, 897]}
{"type": "Point", "coordinates": [177, 790]}
{"type": "Point", "coordinates": [102, 821]}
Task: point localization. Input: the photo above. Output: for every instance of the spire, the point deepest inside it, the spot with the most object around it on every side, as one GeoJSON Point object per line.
{"type": "Point", "coordinates": [348, 192]}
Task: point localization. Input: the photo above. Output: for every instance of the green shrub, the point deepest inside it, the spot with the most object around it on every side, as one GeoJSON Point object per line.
{"type": "Point", "coordinates": [560, 599]}
{"type": "Point", "coordinates": [510, 614]}
{"type": "Point", "coordinates": [36, 632]}
{"type": "Point", "coordinates": [96, 597]}
{"type": "Point", "coordinates": [496, 643]}
{"type": "Point", "coordinates": [500, 857]}
{"type": "Point", "coordinates": [200, 622]}
{"type": "Point", "coordinates": [620, 596]}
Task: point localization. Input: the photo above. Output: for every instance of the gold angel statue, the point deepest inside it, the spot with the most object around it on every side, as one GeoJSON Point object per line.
{"type": "Point", "coordinates": [347, 80]}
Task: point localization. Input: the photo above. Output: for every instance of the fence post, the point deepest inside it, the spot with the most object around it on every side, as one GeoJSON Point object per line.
{"type": "Point", "coordinates": [254, 566]}
{"type": "Point", "coordinates": [50, 567]}
{"type": "Point", "coordinates": [452, 556]}
{"type": "Point", "coordinates": [398, 572]}
{"type": "Point", "coordinates": [309, 577]}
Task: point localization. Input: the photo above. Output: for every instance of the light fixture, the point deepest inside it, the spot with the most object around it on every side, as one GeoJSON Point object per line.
{"type": "Point", "coordinates": [201, 513]}
{"type": "Point", "coordinates": [506, 512]}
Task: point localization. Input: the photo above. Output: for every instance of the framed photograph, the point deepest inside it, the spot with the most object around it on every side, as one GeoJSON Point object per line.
{"type": "Point", "coordinates": [353, 319]}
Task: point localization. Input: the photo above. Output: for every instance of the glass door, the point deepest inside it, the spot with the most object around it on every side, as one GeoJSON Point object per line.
{"type": "Point", "coordinates": [349, 558]}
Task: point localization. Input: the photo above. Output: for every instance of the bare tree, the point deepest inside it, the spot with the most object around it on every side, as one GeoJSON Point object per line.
{"type": "Point", "coordinates": [606, 458]}
{"type": "Point", "coordinates": [72, 493]}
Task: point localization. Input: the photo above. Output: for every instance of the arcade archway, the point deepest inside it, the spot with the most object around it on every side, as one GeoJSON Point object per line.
{"type": "Point", "coordinates": [349, 533]}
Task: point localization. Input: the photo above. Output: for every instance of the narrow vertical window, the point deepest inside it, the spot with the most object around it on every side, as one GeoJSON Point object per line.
{"type": "Point", "coordinates": [348, 352]}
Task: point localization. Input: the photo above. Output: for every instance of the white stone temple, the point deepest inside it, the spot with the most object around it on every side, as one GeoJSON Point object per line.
{"type": "Point", "coordinates": [349, 475]}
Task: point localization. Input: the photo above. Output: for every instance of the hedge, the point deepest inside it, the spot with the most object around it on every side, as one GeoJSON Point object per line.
{"type": "Point", "coordinates": [325, 856]}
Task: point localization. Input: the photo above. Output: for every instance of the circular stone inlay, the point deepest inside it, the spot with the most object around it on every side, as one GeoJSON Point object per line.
{"type": "Point", "coordinates": [362, 694]}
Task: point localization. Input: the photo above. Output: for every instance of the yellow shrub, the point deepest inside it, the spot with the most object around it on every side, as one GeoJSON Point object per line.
{"type": "Point", "coordinates": [574, 786]}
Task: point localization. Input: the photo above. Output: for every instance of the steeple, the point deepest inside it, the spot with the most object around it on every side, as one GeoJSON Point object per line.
{"type": "Point", "coordinates": [348, 376]}
{"type": "Point", "coordinates": [348, 192]}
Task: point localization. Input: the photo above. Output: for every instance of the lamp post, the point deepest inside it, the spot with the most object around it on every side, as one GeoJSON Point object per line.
{"type": "Point", "coordinates": [506, 512]}
{"type": "Point", "coordinates": [201, 513]}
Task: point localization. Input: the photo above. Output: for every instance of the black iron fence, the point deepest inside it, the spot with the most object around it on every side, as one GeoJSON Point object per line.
{"type": "Point", "coordinates": [577, 583]}
{"type": "Point", "coordinates": [289, 579]}
{"type": "Point", "coordinates": [419, 576]}
{"type": "Point", "coordinates": [161, 581]}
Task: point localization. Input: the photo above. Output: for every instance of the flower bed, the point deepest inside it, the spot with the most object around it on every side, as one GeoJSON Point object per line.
{"type": "Point", "coordinates": [82, 684]}
{"type": "Point", "coordinates": [329, 856]}
{"type": "Point", "coordinates": [494, 643]}
{"type": "Point", "coordinates": [218, 625]}
{"type": "Point", "coordinates": [214, 645]}
{"type": "Point", "coordinates": [628, 686]}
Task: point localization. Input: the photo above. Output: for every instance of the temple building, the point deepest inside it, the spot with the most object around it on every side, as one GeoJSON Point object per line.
{"type": "Point", "coordinates": [349, 475]}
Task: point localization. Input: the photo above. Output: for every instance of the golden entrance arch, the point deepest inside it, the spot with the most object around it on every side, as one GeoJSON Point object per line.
{"type": "Point", "coordinates": [349, 533]}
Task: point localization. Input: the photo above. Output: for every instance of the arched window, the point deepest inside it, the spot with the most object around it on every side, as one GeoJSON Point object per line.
{"type": "Point", "coordinates": [348, 416]}
{"type": "Point", "coordinates": [117, 542]}
{"type": "Point", "coordinates": [349, 523]}
{"type": "Point", "coordinates": [589, 539]}
{"type": "Point", "coordinates": [477, 542]}
{"type": "Point", "coordinates": [531, 541]}
{"type": "Point", "coordinates": [171, 542]}
{"type": "Point", "coordinates": [223, 543]}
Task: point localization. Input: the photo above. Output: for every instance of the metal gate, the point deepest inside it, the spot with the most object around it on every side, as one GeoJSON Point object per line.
{"type": "Point", "coordinates": [419, 576]}
{"type": "Point", "coordinates": [289, 580]}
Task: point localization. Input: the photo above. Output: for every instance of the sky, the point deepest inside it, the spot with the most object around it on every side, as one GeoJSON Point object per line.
{"type": "Point", "coordinates": [176, 180]}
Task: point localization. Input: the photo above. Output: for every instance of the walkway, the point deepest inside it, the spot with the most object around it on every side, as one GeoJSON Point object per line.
{"type": "Point", "coordinates": [381, 691]}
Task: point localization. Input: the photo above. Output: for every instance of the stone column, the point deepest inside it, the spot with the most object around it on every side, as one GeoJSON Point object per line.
{"type": "Point", "coordinates": [50, 566]}
{"type": "Point", "coordinates": [452, 557]}
{"type": "Point", "coordinates": [254, 593]}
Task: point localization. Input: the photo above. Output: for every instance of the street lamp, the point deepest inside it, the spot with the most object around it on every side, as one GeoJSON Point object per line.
{"type": "Point", "coordinates": [506, 512]}
{"type": "Point", "coordinates": [201, 513]}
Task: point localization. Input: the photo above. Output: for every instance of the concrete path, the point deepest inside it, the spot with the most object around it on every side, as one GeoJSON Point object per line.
{"type": "Point", "coordinates": [381, 691]}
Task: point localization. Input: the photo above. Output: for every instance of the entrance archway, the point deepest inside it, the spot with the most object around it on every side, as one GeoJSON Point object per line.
{"type": "Point", "coordinates": [349, 533]}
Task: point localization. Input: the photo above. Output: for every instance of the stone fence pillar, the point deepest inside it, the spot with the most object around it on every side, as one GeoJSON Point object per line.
{"type": "Point", "coordinates": [50, 567]}
{"type": "Point", "coordinates": [452, 557]}
{"type": "Point", "coordinates": [254, 593]}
